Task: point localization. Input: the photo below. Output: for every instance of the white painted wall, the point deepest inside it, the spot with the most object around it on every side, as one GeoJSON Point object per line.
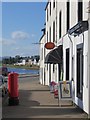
{"type": "Point", "coordinates": [77, 40]}
{"type": "Point", "coordinates": [49, 24]}
{"type": "Point", "coordinates": [23, 62]}
{"type": "Point", "coordinates": [42, 57]}
{"type": "Point", "coordinates": [67, 44]}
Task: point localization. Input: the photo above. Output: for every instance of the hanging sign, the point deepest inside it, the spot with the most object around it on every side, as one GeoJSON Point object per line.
{"type": "Point", "coordinates": [49, 45]}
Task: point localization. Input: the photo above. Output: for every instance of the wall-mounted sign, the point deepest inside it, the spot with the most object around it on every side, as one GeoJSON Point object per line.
{"type": "Point", "coordinates": [49, 45]}
{"type": "Point", "coordinates": [79, 28]}
{"type": "Point", "coordinates": [65, 90]}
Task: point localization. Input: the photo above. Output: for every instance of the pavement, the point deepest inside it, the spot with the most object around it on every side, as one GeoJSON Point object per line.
{"type": "Point", "coordinates": [36, 101]}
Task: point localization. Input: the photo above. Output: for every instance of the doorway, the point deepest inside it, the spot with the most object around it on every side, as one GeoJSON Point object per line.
{"type": "Point", "coordinates": [67, 63]}
{"type": "Point", "coordinates": [79, 72]}
{"type": "Point", "coordinates": [49, 73]}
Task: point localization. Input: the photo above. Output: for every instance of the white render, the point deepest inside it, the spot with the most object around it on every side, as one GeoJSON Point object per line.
{"type": "Point", "coordinates": [21, 63]}
{"type": "Point", "coordinates": [66, 41]}
{"type": "Point", "coordinates": [42, 57]}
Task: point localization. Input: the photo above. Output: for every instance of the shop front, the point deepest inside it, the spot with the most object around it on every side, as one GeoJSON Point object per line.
{"type": "Point", "coordinates": [75, 63]}
{"type": "Point", "coordinates": [55, 57]}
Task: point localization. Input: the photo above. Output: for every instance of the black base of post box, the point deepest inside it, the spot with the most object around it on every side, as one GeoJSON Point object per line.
{"type": "Point", "coordinates": [13, 101]}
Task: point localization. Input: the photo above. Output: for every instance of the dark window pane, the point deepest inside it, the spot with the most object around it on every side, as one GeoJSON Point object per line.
{"type": "Point", "coordinates": [53, 31]}
{"type": "Point", "coordinates": [49, 73]}
{"type": "Point", "coordinates": [53, 68]}
{"type": "Point", "coordinates": [54, 4]}
{"type": "Point", "coordinates": [80, 11]}
{"type": "Point", "coordinates": [50, 34]}
{"type": "Point", "coordinates": [68, 15]}
{"type": "Point", "coordinates": [50, 8]}
{"type": "Point", "coordinates": [79, 71]}
{"type": "Point", "coordinates": [67, 64]}
{"type": "Point", "coordinates": [60, 22]}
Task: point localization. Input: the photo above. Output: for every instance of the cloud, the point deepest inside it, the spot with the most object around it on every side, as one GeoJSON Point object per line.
{"type": "Point", "coordinates": [17, 48]}
{"type": "Point", "coordinates": [26, 51]}
{"type": "Point", "coordinates": [19, 35]}
{"type": "Point", "coordinates": [5, 41]}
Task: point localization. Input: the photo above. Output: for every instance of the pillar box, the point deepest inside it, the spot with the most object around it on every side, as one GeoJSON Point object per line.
{"type": "Point", "coordinates": [13, 89]}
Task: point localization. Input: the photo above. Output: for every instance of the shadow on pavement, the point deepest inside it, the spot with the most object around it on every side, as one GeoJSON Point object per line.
{"type": "Point", "coordinates": [29, 108]}
{"type": "Point", "coordinates": [25, 99]}
{"type": "Point", "coordinates": [20, 110]}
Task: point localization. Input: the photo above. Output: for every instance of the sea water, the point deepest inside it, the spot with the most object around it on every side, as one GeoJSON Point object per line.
{"type": "Point", "coordinates": [23, 71]}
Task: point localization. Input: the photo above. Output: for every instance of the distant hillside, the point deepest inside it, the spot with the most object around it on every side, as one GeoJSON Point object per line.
{"type": "Point", "coordinates": [5, 57]}
{"type": "Point", "coordinates": [1, 58]}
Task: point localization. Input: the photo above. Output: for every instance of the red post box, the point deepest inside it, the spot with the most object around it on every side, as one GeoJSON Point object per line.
{"type": "Point", "coordinates": [13, 88]}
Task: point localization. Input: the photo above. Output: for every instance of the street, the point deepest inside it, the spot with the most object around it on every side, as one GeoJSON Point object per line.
{"type": "Point", "coordinates": [36, 101]}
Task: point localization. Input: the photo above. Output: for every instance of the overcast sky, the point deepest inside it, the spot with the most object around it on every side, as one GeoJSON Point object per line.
{"type": "Point", "coordinates": [21, 26]}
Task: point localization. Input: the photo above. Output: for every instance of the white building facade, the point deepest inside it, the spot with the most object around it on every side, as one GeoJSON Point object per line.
{"type": "Point", "coordinates": [42, 58]}
{"type": "Point", "coordinates": [67, 25]}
